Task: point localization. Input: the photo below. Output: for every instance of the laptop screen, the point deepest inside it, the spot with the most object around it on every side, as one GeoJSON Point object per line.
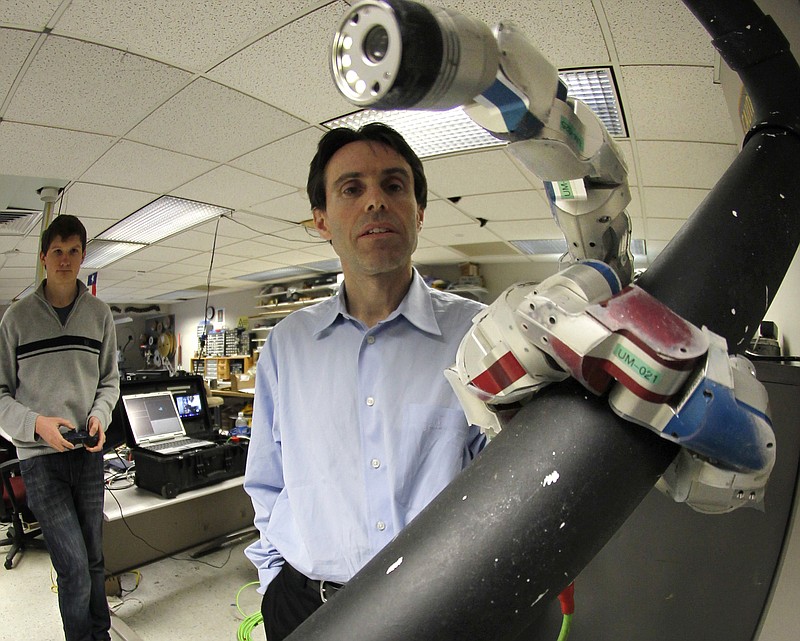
{"type": "Point", "coordinates": [152, 415]}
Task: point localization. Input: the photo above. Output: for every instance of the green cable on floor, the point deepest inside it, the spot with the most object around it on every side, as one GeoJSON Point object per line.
{"type": "Point", "coordinates": [250, 622]}
{"type": "Point", "coordinates": [566, 626]}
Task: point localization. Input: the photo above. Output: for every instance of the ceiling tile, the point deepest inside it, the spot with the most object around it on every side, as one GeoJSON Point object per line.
{"type": "Point", "coordinates": [257, 248]}
{"type": "Point", "coordinates": [459, 235]}
{"type": "Point", "coordinates": [86, 200]}
{"type": "Point", "coordinates": [31, 14]}
{"type": "Point", "coordinates": [297, 78]}
{"type": "Point", "coordinates": [245, 225]}
{"type": "Point", "coordinates": [513, 205]}
{"type": "Point", "coordinates": [82, 86]}
{"type": "Point", "coordinates": [440, 213]}
{"type": "Point", "coordinates": [210, 121]}
{"type": "Point", "coordinates": [191, 33]}
{"type": "Point", "coordinates": [689, 164]}
{"type": "Point", "coordinates": [162, 254]}
{"type": "Point", "coordinates": [664, 202]}
{"type": "Point", "coordinates": [544, 229]}
{"type": "Point", "coordinates": [95, 226]}
{"type": "Point", "coordinates": [48, 152]}
{"type": "Point", "coordinates": [663, 228]}
{"type": "Point", "coordinates": [293, 207]}
{"type": "Point", "coordinates": [136, 166]}
{"type": "Point", "coordinates": [285, 160]}
{"type": "Point", "coordinates": [478, 173]}
{"type": "Point", "coordinates": [566, 31]}
{"type": "Point", "coordinates": [191, 239]}
{"type": "Point", "coordinates": [657, 32]}
{"type": "Point", "coordinates": [687, 90]}
{"type": "Point", "coordinates": [14, 48]}
{"type": "Point", "coordinates": [229, 187]}
{"type": "Point", "coordinates": [433, 255]}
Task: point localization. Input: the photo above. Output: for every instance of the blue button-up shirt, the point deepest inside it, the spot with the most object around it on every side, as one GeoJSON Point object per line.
{"type": "Point", "coordinates": [355, 430]}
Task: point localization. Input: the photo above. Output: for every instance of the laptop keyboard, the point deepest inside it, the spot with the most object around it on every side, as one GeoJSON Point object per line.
{"type": "Point", "coordinates": [169, 445]}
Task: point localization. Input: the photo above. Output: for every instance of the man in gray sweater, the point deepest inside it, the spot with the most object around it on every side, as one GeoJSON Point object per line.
{"type": "Point", "coordinates": [58, 372]}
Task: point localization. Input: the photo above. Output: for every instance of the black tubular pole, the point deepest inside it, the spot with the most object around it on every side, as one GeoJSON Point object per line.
{"type": "Point", "coordinates": [486, 557]}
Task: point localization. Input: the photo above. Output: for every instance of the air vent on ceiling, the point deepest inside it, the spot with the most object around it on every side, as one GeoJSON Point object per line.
{"type": "Point", "coordinates": [18, 222]}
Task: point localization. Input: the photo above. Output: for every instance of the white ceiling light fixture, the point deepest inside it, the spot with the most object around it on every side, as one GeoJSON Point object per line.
{"type": "Point", "coordinates": [435, 133]}
{"type": "Point", "coordinates": [559, 246]}
{"type": "Point", "coordinates": [294, 272]}
{"type": "Point", "coordinates": [101, 253]}
{"type": "Point", "coordinates": [164, 217]}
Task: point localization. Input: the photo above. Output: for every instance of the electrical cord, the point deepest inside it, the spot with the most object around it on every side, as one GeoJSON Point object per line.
{"type": "Point", "coordinates": [567, 600]}
{"type": "Point", "coordinates": [308, 231]}
{"type": "Point", "coordinates": [160, 551]}
{"type": "Point", "coordinates": [250, 621]}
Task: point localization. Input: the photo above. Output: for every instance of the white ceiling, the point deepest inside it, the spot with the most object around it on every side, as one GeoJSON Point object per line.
{"type": "Point", "coordinates": [121, 101]}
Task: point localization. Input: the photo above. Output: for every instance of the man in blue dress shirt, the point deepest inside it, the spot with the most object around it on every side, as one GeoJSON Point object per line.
{"type": "Point", "coordinates": [355, 428]}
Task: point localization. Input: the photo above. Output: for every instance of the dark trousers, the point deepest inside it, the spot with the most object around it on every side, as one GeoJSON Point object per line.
{"type": "Point", "coordinates": [65, 491]}
{"type": "Point", "coordinates": [290, 599]}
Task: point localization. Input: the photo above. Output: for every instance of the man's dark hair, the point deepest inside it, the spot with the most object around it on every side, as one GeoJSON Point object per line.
{"type": "Point", "coordinates": [63, 227]}
{"type": "Point", "coordinates": [335, 139]}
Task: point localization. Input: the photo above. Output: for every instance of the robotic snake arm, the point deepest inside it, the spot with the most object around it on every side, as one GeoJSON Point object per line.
{"type": "Point", "coordinates": [485, 559]}
{"type": "Point", "coordinates": [587, 322]}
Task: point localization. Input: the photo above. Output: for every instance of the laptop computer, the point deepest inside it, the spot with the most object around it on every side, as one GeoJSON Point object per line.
{"type": "Point", "coordinates": [156, 425]}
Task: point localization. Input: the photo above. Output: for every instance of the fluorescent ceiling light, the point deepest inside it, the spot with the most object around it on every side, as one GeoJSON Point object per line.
{"type": "Point", "coordinates": [25, 292]}
{"type": "Point", "coordinates": [164, 217]}
{"type": "Point", "coordinates": [430, 133]}
{"type": "Point", "coordinates": [433, 133]}
{"type": "Point", "coordinates": [597, 89]}
{"type": "Point", "coordinates": [559, 246]}
{"type": "Point", "coordinates": [101, 253]}
{"type": "Point", "coordinates": [299, 271]}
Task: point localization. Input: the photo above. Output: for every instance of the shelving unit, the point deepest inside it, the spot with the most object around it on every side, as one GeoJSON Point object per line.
{"type": "Point", "coordinates": [279, 300]}
{"type": "Point", "coordinates": [220, 367]}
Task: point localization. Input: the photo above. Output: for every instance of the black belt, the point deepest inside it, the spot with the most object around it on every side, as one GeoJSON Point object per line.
{"type": "Point", "coordinates": [325, 589]}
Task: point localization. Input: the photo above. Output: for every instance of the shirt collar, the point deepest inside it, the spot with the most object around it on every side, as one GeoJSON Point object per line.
{"type": "Point", "coordinates": [416, 307]}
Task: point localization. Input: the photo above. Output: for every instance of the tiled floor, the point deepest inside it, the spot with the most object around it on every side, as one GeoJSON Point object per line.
{"type": "Point", "coordinates": [175, 599]}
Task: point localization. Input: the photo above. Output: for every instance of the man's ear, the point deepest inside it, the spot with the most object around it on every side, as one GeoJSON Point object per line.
{"type": "Point", "coordinates": [321, 222]}
{"type": "Point", "coordinates": [420, 217]}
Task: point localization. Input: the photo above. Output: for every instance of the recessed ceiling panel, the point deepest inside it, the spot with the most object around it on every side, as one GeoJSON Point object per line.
{"type": "Point", "coordinates": [229, 187]}
{"type": "Point", "coordinates": [136, 166]}
{"type": "Point", "coordinates": [28, 150]}
{"type": "Point", "coordinates": [289, 69]}
{"type": "Point", "coordinates": [193, 34]}
{"type": "Point", "coordinates": [210, 121]}
{"type": "Point", "coordinates": [82, 86]}
{"type": "Point", "coordinates": [684, 164]}
{"type": "Point", "coordinates": [690, 91]}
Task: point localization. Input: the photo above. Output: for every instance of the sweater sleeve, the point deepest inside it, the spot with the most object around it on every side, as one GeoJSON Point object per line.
{"type": "Point", "coordinates": [108, 385]}
{"type": "Point", "coordinates": [16, 420]}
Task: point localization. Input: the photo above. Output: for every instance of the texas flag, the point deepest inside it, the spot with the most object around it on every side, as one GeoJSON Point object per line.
{"type": "Point", "coordinates": [91, 282]}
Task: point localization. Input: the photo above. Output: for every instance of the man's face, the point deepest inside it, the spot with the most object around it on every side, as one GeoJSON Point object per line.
{"type": "Point", "coordinates": [372, 216]}
{"type": "Point", "coordinates": [63, 259]}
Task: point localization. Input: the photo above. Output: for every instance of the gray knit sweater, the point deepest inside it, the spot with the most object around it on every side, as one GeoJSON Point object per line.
{"type": "Point", "coordinates": [53, 370]}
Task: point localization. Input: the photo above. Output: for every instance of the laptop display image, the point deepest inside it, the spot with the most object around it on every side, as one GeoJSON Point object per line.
{"type": "Point", "coordinates": [156, 425]}
{"type": "Point", "coordinates": [188, 405]}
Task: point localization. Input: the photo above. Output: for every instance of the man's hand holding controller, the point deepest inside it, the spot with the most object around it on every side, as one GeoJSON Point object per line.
{"type": "Point", "coordinates": [48, 428]}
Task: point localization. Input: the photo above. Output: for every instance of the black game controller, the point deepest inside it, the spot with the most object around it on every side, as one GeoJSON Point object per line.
{"type": "Point", "coordinates": [81, 437]}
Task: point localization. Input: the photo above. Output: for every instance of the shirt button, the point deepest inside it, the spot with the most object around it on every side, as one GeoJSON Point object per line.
{"type": "Point", "coordinates": [370, 401]}
{"type": "Point", "coordinates": [375, 463]}
{"type": "Point", "coordinates": [370, 339]}
{"type": "Point", "coordinates": [380, 525]}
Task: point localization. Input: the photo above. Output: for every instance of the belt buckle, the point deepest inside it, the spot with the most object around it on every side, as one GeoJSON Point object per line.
{"type": "Point", "coordinates": [322, 596]}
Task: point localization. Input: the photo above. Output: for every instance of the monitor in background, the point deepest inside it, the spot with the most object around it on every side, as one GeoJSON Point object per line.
{"type": "Point", "coordinates": [188, 404]}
